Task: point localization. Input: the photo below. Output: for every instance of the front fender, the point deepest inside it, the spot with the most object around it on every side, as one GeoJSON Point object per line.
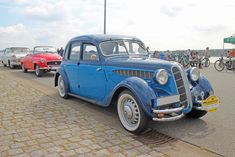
{"type": "Point", "coordinates": [140, 88]}
{"type": "Point", "coordinates": [202, 85]}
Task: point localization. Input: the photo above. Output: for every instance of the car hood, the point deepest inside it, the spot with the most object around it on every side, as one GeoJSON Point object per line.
{"type": "Point", "coordinates": [140, 63]}
{"type": "Point", "coordinates": [48, 56]}
{"type": "Point", "coordinates": [19, 55]}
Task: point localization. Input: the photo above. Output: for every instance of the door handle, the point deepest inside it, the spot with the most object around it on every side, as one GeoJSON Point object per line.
{"type": "Point", "coordinates": [98, 69]}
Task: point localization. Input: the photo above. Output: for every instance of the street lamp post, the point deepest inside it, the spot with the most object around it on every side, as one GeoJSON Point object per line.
{"type": "Point", "coordinates": [104, 16]}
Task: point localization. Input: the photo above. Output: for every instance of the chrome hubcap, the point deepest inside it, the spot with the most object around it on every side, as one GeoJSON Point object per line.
{"type": "Point", "coordinates": [130, 111]}
{"type": "Point", "coordinates": [127, 111]}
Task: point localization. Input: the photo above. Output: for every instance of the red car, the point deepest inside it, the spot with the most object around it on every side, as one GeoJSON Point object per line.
{"type": "Point", "coordinates": [43, 59]}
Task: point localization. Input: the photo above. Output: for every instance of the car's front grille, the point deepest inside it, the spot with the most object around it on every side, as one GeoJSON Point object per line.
{"type": "Point", "coordinates": [54, 63]}
{"type": "Point", "coordinates": [180, 86]}
{"type": "Point", "coordinates": [136, 73]}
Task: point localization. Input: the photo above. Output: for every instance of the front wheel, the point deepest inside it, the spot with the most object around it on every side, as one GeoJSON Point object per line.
{"type": "Point", "coordinates": [131, 115]}
{"type": "Point", "coordinates": [24, 69]}
{"type": "Point", "coordinates": [10, 65]}
{"type": "Point", "coordinates": [219, 65]}
{"type": "Point", "coordinates": [207, 62]}
{"type": "Point", "coordinates": [38, 71]}
{"type": "Point", "coordinates": [195, 114]}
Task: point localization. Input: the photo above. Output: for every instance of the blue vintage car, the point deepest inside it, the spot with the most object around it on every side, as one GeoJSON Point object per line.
{"type": "Point", "coordinates": [117, 70]}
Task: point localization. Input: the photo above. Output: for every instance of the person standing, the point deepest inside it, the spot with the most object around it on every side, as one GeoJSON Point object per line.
{"type": "Point", "coordinates": [207, 53]}
{"type": "Point", "coordinates": [61, 51]}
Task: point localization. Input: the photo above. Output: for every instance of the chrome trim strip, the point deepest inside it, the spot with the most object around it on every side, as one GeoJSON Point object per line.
{"type": "Point", "coordinates": [168, 119]}
{"type": "Point", "coordinates": [166, 111]}
{"type": "Point", "coordinates": [168, 100]}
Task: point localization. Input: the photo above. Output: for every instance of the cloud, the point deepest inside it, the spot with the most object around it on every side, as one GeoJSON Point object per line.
{"type": "Point", "coordinates": [18, 28]}
{"type": "Point", "coordinates": [46, 11]}
{"type": "Point", "coordinates": [170, 11]}
{"type": "Point", "coordinates": [210, 28]}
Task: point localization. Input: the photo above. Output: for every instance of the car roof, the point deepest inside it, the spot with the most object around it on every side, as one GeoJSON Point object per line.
{"type": "Point", "coordinates": [43, 46]}
{"type": "Point", "coordinates": [17, 47]}
{"type": "Point", "coordinates": [101, 37]}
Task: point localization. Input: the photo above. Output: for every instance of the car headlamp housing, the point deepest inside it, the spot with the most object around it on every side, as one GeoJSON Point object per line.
{"type": "Point", "coordinates": [162, 76]}
{"type": "Point", "coordinates": [42, 60]}
{"type": "Point", "coordinates": [194, 74]}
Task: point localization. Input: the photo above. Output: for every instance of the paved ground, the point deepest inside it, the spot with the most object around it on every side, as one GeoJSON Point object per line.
{"type": "Point", "coordinates": [51, 122]}
{"type": "Point", "coordinates": [34, 124]}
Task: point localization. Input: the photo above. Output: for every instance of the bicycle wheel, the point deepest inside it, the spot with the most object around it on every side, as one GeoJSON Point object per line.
{"type": "Point", "coordinates": [219, 65]}
{"type": "Point", "coordinates": [229, 65]}
{"type": "Point", "coordinates": [207, 62]}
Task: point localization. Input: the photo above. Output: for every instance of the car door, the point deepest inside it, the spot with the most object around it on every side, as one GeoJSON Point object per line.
{"type": "Point", "coordinates": [26, 61]}
{"type": "Point", "coordinates": [92, 80]}
{"type": "Point", "coordinates": [71, 65]}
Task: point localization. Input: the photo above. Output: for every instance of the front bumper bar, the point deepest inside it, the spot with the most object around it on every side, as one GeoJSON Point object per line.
{"type": "Point", "coordinates": [52, 68]}
{"type": "Point", "coordinates": [169, 114]}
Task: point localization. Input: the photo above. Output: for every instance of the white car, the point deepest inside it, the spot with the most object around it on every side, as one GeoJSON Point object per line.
{"type": "Point", "coordinates": [12, 56]}
{"type": "Point", "coordinates": [1, 53]}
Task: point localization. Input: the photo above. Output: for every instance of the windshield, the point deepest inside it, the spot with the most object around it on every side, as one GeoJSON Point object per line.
{"type": "Point", "coordinates": [123, 47]}
{"type": "Point", "coordinates": [20, 50]}
{"type": "Point", "coordinates": [44, 50]}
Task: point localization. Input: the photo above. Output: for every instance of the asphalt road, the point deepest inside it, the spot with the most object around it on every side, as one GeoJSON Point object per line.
{"type": "Point", "coordinates": [215, 131]}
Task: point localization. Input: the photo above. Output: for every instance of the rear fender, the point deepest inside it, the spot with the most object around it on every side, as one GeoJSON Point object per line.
{"type": "Point", "coordinates": [64, 76]}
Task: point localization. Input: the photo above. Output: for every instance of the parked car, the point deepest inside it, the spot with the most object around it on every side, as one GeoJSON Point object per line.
{"type": "Point", "coordinates": [1, 53]}
{"type": "Point", "coordinates": [105, 70]}
{"type": "Point", "coordinates": [11, 56]}
{"type": "Point", "coordinates": [42, 59]}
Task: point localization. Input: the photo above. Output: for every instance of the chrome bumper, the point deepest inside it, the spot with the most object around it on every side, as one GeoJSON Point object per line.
{"type": "Point", "coordinates": [172, 114]}
{"type": "Point", "coordinates": [53, 68]}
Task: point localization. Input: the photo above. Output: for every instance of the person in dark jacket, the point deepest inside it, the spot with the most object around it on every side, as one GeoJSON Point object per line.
{"type": "Point", "coordinates": [61, 51]}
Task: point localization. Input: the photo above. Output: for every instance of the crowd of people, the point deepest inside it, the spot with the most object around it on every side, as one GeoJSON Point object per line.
{"type": "Point", "coordinates": [191, 57]}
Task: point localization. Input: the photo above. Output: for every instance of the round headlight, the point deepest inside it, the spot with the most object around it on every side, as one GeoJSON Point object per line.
{"type": "Point", "coordinates": [162, 76]}
{"type": "Point", "coordinates": [42, 60]}
{"type": "Point", "coordinates": [194, 74]}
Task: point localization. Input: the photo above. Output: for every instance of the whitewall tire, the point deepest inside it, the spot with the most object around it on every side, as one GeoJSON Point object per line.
{"type": "Point", "coordinates": [131, 115]}
{"type": "Point", "coordinates": [61, 88]}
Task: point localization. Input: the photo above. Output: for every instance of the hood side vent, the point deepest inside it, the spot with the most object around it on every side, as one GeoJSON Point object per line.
{"type": "Point", "coordinates": [135, 73]}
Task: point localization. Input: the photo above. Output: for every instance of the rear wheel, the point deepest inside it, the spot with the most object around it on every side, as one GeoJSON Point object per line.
{"type": "Point", "coordinates": [4, 64]}
{"type": "Point", "coordinates": [38, 71]}
{"type": "Point", "coordinates": [229, 65]}
{"type": "Point", "coordinates": [219, 65]}
{"type": "Point", "coordinates": [61, 88]}
{"type": "Point", "coordinates": [131, 115]}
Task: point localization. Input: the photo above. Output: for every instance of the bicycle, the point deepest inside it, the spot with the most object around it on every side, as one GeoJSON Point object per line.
{"type": "Point", "coordinates": [184, 60]}
{"type": "Point", "coordinates": [205, 61]}
{"type": "Point", "coordinates": [221, 63]}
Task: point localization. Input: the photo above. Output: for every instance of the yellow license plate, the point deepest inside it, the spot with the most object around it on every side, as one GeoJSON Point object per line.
{"type": "Point", "coordinates": [211, 104]}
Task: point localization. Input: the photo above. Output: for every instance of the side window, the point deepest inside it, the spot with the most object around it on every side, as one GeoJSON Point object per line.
{"type": "Point", "coordinates": [90, 53]}
{"type": "Point", "coordinates": [75, 52]}
{"type": "Point", "coordinates": [6, 51]}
